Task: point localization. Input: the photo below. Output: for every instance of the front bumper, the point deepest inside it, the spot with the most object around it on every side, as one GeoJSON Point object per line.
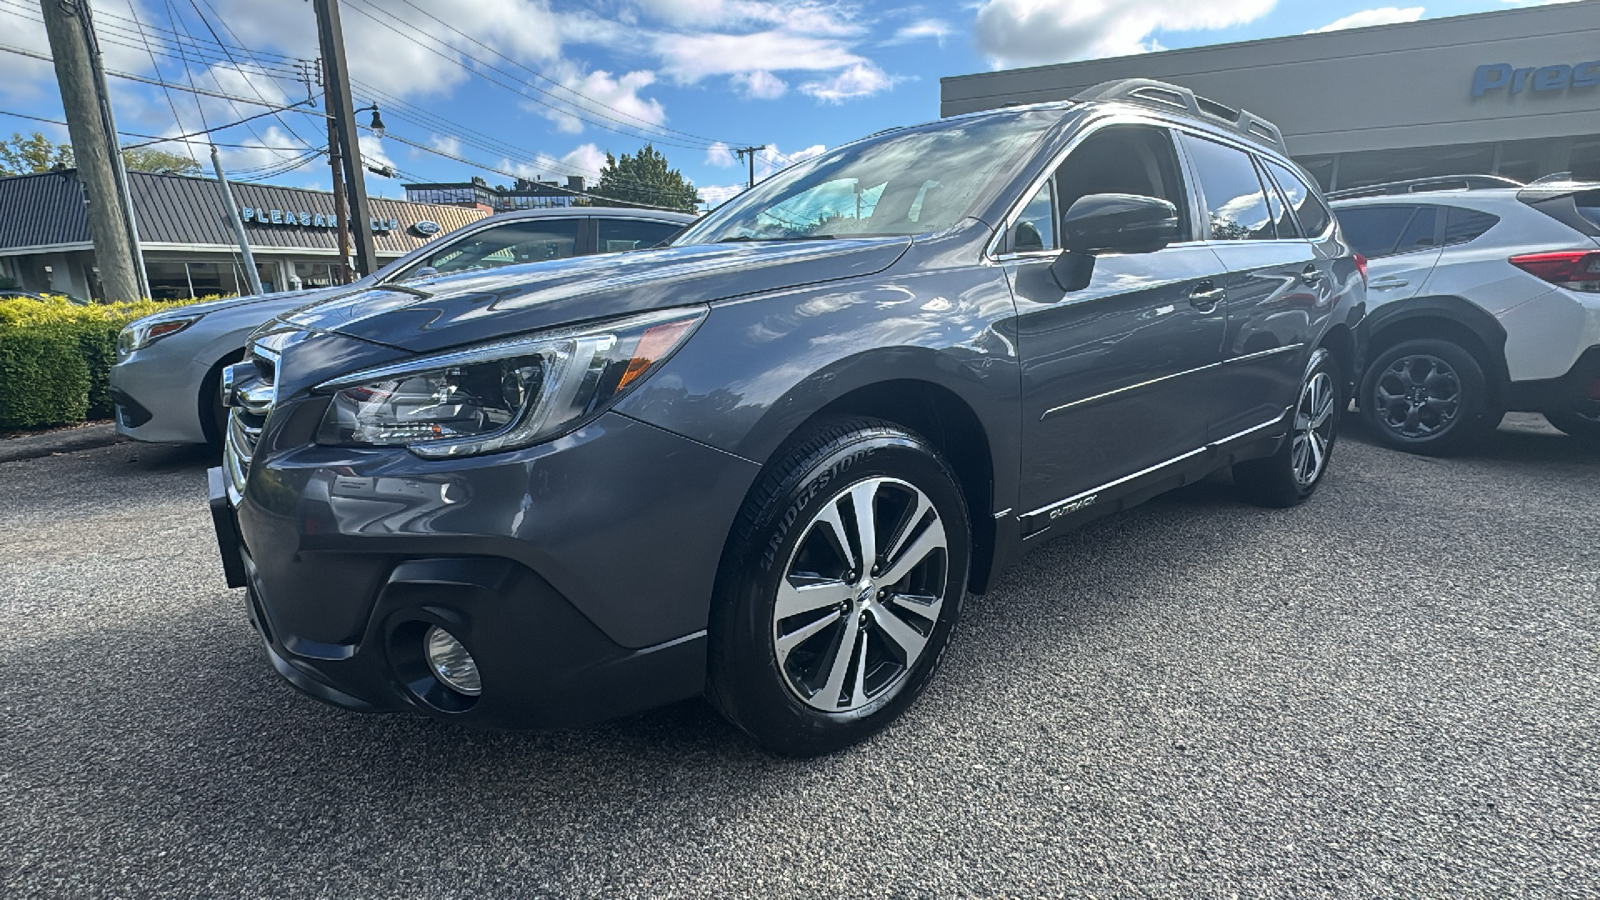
{"type": "Point", "coordinates": [157, 396]}
{"type": "Point", "coordinates": [1576, 391]}
{"type": "Point", "coordinates": [578, 573]}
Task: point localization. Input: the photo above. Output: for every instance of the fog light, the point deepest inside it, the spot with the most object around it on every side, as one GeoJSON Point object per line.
{"type": "Point", "coordinates": [451, 662]}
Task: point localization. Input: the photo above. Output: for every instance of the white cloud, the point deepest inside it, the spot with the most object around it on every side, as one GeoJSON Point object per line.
{"type": "Point", "coordinates": [719, 155]}
{"type": "Point", "coordinates": [770, 159]}
{"type": "Point", "coordinates": [717, 194]}
{"type": "Point", "coordinates": [760, 85]}
{"type": "Point", "coordinates": [1038, 32]}
{"type": "Point", "coordinates": [445, 143]}
{"type": "Point", "coordinates": [922, 29]}
{"type": "Point", "coordinates": [587, 157]}
{"type": "Point", "coordinates": [1383, 15]}
{"type": "Point", "coordinates": [859, 80]}
{"type": "Point", "coordinates": [816, 17]}
{"type": "Point", "coordinates": [691, 57]}
{"type": "Point", "coordinates": [615, 101]}
{"type": "Point", "coordinates": [372, 152]}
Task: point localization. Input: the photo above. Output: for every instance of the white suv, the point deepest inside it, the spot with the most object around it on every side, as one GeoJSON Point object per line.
{"type": "Point", "coordinates": [1481, 301]}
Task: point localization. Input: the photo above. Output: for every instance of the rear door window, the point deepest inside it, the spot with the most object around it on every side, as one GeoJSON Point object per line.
{"type": "Point", "coordinates": [1308, 207]}
{"type": "Point", "coordinates": [621, 235]}
{"type": "Point", "coordinates": [1463, 225]}
{"type": "Point", "coordinates": [1375, 230]}
{"type": "Point", "coordinates": [1421, 232]}
{"type": "Point", "coordinates": [1236, 205]}
{"type": "Point", "coordinates": [1286, 225]}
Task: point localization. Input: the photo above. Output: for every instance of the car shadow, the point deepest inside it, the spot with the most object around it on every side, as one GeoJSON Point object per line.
{"type": "Point", "coordinates": [1521, 438]}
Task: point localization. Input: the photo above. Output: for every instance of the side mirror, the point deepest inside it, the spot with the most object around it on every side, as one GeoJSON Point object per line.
{"type": "Point", "coordinates": [1110, 223]}
{"type": "Point", "coordinates": [425, 272]}
{"type": "Point", "coordinates": [1119, 223]}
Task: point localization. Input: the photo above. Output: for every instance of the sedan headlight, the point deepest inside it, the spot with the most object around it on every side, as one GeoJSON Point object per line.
{"type": "Point", "coordinates": [141, 334]}
{"type": "Point", "coordinates": [504, 395]}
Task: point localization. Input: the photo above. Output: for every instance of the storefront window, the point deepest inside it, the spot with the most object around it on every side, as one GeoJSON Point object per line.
{"type": "Point", "coordinates": [316, 274]}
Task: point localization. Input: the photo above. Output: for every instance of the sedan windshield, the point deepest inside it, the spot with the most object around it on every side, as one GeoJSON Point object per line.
{"type": "Point", "coordinates": [913, 181]}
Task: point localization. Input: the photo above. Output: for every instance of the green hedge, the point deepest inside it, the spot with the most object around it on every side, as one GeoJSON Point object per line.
{"type": "Point", "coordinates": [55, 359]}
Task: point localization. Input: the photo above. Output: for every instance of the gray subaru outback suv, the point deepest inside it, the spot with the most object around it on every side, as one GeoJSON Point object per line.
{"type": "Point", "coordinates": [767, 462]}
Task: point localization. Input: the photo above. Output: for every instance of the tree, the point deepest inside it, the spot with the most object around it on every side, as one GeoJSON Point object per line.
{"type": "Point", "coordinates": [645, 179]}
{"type": "Point", "coordinates": [149, 159]}
{"type": "Point", "coordinates": [37, 153]}
{"type": "Point", "coordinates": [27, 155]}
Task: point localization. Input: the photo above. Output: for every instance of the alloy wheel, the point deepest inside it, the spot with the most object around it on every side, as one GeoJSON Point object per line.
{"type": "Point", "coordinates": [1418, 396]}
{"type": "Point", "coordinates": [861, 595]}
{"type": "Point", "coordinates": [1313, 428]}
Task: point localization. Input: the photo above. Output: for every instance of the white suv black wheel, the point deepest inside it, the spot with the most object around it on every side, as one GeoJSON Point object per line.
{"type": "Point", "coordinates": [1426, 396]}
{"type": "Point", "coordinates": [841, 585]}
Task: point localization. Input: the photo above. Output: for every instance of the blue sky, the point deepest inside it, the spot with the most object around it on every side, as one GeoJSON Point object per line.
{"type": "Point", "coordinates": [578, 79]}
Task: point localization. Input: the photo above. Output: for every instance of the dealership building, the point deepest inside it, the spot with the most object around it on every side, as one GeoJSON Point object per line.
{"type": "Point", "coordinates": [188, 243]}
{"type": "Point", "coordinates": [1513, 93]}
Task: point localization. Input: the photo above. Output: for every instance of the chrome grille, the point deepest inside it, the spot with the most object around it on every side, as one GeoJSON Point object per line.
{"type": "Point", "coordinates": [252, 403]}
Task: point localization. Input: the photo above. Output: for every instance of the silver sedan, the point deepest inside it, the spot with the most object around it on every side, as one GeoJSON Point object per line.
{"type": "Point", "coordinates": [164, 382]}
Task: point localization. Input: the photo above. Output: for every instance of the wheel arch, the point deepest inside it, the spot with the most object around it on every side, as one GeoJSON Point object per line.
{"type": "Point", "coordinates": [208, 393]}
{"type": "Point", "coordinates": [1448, 318]}
{"type": "Point", "coordinates": [1341, 342]}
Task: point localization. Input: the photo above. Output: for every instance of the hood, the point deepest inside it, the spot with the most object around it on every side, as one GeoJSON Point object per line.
{"type": "Point", "coordinates": [423, 316]}
{"type": "Point", "coordinates": [300, 298]}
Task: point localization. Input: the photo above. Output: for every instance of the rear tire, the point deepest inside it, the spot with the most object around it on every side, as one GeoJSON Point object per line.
{"type": "Point", "coordinates": [821, 635]}
{"type": "Point", "coordinates": [1579, 425]}
{"type": "Point", "coordinates": [1427, 396]}
{"type": "Point", "coordinates": [1290, 476]}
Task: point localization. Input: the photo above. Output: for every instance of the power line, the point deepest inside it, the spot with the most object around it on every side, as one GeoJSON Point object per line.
{"type": "Point", "coordinates": [168, 94]}
{"type": "Point", "coordinates": [253, 89]}
{"type": "Point", "coordinates": [154, 139]}
{"type": "Point", "coordinates": [584, 97]}
{"type": "Point", "coordinates": [358, 6]}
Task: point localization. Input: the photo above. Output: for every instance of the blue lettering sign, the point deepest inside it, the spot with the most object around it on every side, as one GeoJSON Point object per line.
{"type": "Point", "coordinates": [1495, 76]}
{"type": "Point", "coordinates": [1488, 78]}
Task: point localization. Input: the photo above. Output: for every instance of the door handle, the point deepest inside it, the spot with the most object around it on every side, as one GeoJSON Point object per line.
{"type": "Point", "coordinates": [1311, 274]}
{"type": "Point", "coordinates": [1205, 296]}
{"type": "Point", "coordinates": [1387, 284]}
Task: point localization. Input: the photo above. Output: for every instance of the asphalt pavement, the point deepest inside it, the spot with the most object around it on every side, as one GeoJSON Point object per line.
{"type": "Point", "coordinates": [1393, 690]}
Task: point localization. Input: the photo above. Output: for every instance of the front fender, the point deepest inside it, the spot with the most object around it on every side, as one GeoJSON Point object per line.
{"type": "Point", "coordinates": [758, 369]}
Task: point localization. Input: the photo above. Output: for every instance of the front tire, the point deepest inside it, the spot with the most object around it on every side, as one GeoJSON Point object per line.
{"type": "Point", "coordinates": [1579, 425]}
{"type": "Point", "coordinates": [842, 582]}
{"type": "Point", "coordinates": [1290, 476]}
{"type": "Point", "coordinates": [1427, 396]}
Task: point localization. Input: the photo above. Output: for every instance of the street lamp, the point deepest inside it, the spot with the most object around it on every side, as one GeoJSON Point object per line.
{"type": "Point", "coordinates": [377, 120]}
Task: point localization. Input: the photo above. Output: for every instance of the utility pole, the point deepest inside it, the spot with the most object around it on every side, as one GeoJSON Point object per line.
{"type": "Point", "coordinates": [250, 272]}
{"type": "Point", "coordinates": [94, 147]}
{"type": "Point", "coordinates": [342, 122]}
{"type": "Point", "coordinates": [341, 209]}
{"type": "Point", "coordinates": [750, 152]}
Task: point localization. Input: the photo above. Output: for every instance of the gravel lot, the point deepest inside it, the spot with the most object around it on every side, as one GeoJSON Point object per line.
{"type": "Point", "coordinates": [1394, 690]}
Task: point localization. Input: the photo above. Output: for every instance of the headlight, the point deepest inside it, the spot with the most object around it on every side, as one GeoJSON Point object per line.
{"type": "Point", "coordinates": [147, 331]}
{"type": "Point", "coordinates": [504, 395]}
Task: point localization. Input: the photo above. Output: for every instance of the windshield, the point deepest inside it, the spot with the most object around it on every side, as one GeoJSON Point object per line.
{"type": "Point", "coordinates": [913, 181]}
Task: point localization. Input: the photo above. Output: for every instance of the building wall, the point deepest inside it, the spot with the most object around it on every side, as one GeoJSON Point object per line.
{"type": "Point", "coordinates": [1368, 89]}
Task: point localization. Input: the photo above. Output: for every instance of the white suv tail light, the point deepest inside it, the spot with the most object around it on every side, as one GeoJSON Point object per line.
{"type": "Point", "coordinates": [1575, 270]}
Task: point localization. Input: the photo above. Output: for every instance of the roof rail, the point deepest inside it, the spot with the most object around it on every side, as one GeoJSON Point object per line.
{"type": "Point", "coordinates": [1171, 97]}
{"type": "Point", "coordinates": [1424, 185]}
